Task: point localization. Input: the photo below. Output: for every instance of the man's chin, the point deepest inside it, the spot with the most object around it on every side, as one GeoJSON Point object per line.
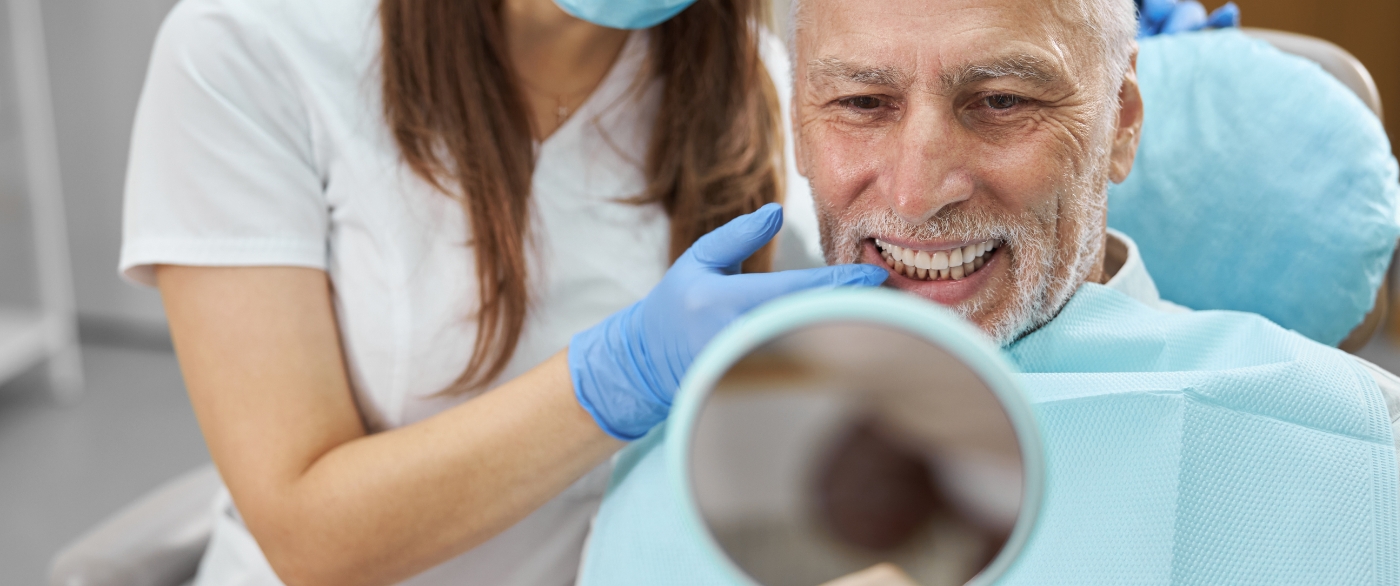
{"type": "Point", "coordinates": [1003, 322]}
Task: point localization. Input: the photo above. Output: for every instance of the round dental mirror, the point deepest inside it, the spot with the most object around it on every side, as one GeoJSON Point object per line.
{"type": "Point", "coordinates": [851, 452]}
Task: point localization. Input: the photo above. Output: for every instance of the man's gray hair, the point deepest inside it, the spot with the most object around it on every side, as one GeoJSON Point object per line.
{"type": "Point", "coordinates": [1113, 22]}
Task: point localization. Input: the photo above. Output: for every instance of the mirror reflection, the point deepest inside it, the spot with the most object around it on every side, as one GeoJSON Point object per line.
{"type": "Point", "coordinates": [856, 455]}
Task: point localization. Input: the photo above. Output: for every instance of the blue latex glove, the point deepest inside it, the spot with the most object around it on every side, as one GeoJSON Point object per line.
{"type": "Point", "coordinates": [1166, 17]}
{"type": "Point", "coordinates": [626, 369]}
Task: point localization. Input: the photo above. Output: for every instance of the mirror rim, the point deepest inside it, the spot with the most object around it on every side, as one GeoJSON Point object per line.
{"type": "Point", "coordinates": [882, 307]}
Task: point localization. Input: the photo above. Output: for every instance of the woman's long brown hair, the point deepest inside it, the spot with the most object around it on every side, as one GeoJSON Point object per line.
{"type": "Point", "coordinates": [453, 104]}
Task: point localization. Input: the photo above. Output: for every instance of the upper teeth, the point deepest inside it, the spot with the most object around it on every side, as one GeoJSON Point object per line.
{"type": "Point", "coordinates": [954, 263]}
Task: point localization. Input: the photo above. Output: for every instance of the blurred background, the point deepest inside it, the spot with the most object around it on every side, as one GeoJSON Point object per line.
{"type": "Point", "coordinates": [65, 466]}
{"type": "Point", "coordinates": [1369, 29]}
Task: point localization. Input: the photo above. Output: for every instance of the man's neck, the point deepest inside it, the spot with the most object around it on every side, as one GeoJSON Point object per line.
{"type": "Point", "coordinates": [1111, 259]}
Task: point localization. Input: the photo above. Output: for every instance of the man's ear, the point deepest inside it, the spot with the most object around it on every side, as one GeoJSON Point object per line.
{"type": "Point", "coordinates": [1129, 135]}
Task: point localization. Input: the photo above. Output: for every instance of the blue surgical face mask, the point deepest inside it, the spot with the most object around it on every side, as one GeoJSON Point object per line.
{"type": "Point", "coordinates": [624, 14]}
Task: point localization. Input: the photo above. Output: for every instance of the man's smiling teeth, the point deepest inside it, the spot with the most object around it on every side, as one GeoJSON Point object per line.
{"type": "Point", "coordinates": [940, 265]}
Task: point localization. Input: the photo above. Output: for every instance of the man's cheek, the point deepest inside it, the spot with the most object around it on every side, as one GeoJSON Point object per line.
{"type": "Point", "coordinates": [1064, 138]}
{"type": "Point", "coordinates": [1021, 176]}
{"type": "Point", "coordinates": [843, 167]}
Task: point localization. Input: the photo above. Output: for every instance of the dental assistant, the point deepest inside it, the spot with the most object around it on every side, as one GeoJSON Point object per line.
{"type": "Point", "coordinates": [414, 255]}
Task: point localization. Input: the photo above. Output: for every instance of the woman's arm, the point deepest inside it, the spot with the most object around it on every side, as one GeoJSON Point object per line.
{"type": "Point", "coordinates": [328, 504]}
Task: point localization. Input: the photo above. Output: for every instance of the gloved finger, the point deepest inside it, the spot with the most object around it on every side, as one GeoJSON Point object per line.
{"type": "Point", "coordinates": [1151, 15]}
{"type": "Point", "coordinates": [1227, 16]}
{"type": "Point", "coordinates": [1157, 11]}
{"type": "Point", "coordinates": [1188, 16]}
{"type": "Point", "coordinates": [727, 246]}
{"type": "Point", "coordinates": [761, 287]}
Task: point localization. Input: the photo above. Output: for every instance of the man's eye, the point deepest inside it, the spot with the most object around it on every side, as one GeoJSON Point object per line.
{"type": "Point", "coordinates": [863, 102]}
{"type": "Point", "coordinates": [1002, 101]}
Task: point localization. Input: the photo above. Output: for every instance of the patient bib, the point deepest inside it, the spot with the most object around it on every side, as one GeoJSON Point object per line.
{"type": "Point", "coordinates": [1197, 448]}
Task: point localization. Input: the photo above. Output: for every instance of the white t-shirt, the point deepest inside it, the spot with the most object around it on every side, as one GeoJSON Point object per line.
{"type": "Point", "coordinates": [260, 141]}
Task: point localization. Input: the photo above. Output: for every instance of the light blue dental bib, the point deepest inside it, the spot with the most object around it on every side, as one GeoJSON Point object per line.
{"type": "Point", "coordinates": [1202, 448]}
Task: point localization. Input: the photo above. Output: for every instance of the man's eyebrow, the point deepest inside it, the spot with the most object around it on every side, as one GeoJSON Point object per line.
{"type": "Point", "coordinates": [831, 67]}
{"type": "Point", "coordinates": [1023, 67]}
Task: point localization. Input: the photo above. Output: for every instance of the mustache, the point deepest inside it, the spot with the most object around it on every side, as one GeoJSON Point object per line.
{"type": "Point", "coordinates": [957, 223]}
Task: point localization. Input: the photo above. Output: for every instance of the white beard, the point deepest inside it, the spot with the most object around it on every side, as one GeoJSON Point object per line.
{"type": "Point", "coordinates": [1043, 277]}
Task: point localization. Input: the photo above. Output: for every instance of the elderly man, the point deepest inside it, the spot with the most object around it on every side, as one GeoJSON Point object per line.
{"type": "Point", "coordinates": [975, 139]}
{"type": "Point", "coordinates": [967, 146]}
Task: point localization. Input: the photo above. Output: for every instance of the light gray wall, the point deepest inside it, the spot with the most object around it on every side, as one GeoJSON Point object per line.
{"type": "Point", "coordinates": [18, 284]}
{"type": "Point", "coordinates": [97, 53]}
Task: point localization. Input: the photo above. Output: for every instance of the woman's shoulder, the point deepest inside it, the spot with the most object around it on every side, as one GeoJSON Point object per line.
{"type": "Point", "coordinates": [307, 15]}
{"type": "Point", "coordinates": [294, 32]}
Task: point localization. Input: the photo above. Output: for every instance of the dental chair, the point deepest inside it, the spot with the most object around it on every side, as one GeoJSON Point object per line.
{"type": "Point", "coordinates": [1348, 70]}
{"type": "Point", "coordinates": [159, 540]}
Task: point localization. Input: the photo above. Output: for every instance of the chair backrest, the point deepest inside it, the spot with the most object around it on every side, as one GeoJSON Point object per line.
{"type": "Point", "coordinates": [1263, 183]}
{"type": "Point", "coordinates": [1348, 70]}
{"type": "Point", "coordinates": [1333, 59]}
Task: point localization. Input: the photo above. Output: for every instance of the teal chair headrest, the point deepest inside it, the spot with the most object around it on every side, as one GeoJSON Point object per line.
{"type": "Point", "coordinates": [1262, 184]}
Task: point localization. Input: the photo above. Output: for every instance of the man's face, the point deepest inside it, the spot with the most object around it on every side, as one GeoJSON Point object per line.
{"type": "Point", "coordinates": [974, 138]}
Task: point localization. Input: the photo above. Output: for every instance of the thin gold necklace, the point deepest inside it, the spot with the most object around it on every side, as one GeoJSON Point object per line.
{"type": "Point", "coordinates": [562, 111]}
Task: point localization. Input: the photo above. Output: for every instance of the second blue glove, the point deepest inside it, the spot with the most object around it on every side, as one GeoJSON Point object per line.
{"type": "Point", "coordinates": [1168, 17]}
{"type": "Point", "coordinates": [626, 369]}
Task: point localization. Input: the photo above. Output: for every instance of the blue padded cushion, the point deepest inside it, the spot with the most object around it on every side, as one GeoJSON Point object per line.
{"type": "Point", "coordinates": [1262, 184]}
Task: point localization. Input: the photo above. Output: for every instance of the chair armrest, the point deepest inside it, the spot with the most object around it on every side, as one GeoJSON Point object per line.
{"type": "Point", "coordinates": [155, 541]}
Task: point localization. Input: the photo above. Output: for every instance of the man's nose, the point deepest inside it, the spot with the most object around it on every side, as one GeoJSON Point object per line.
{"type": "Point", "coordinates": [930, 170]}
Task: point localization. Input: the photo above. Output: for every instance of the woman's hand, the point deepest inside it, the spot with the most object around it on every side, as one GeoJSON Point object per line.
{"type": "Point", "coordinates": [1169, 17]}
{"type": "Point", "coordinates": [626, 369]}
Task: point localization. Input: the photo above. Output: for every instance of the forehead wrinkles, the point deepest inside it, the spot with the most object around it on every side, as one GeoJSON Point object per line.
{"type": "Point", "coordinates": [1065, 33]}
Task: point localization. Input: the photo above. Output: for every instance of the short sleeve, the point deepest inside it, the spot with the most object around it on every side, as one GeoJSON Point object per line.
{"type": "Point", "coordinates": [221, 170]}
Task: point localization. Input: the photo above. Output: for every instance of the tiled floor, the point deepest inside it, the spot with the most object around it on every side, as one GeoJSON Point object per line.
{"type": "Point", "coordinates": [63, 469]}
